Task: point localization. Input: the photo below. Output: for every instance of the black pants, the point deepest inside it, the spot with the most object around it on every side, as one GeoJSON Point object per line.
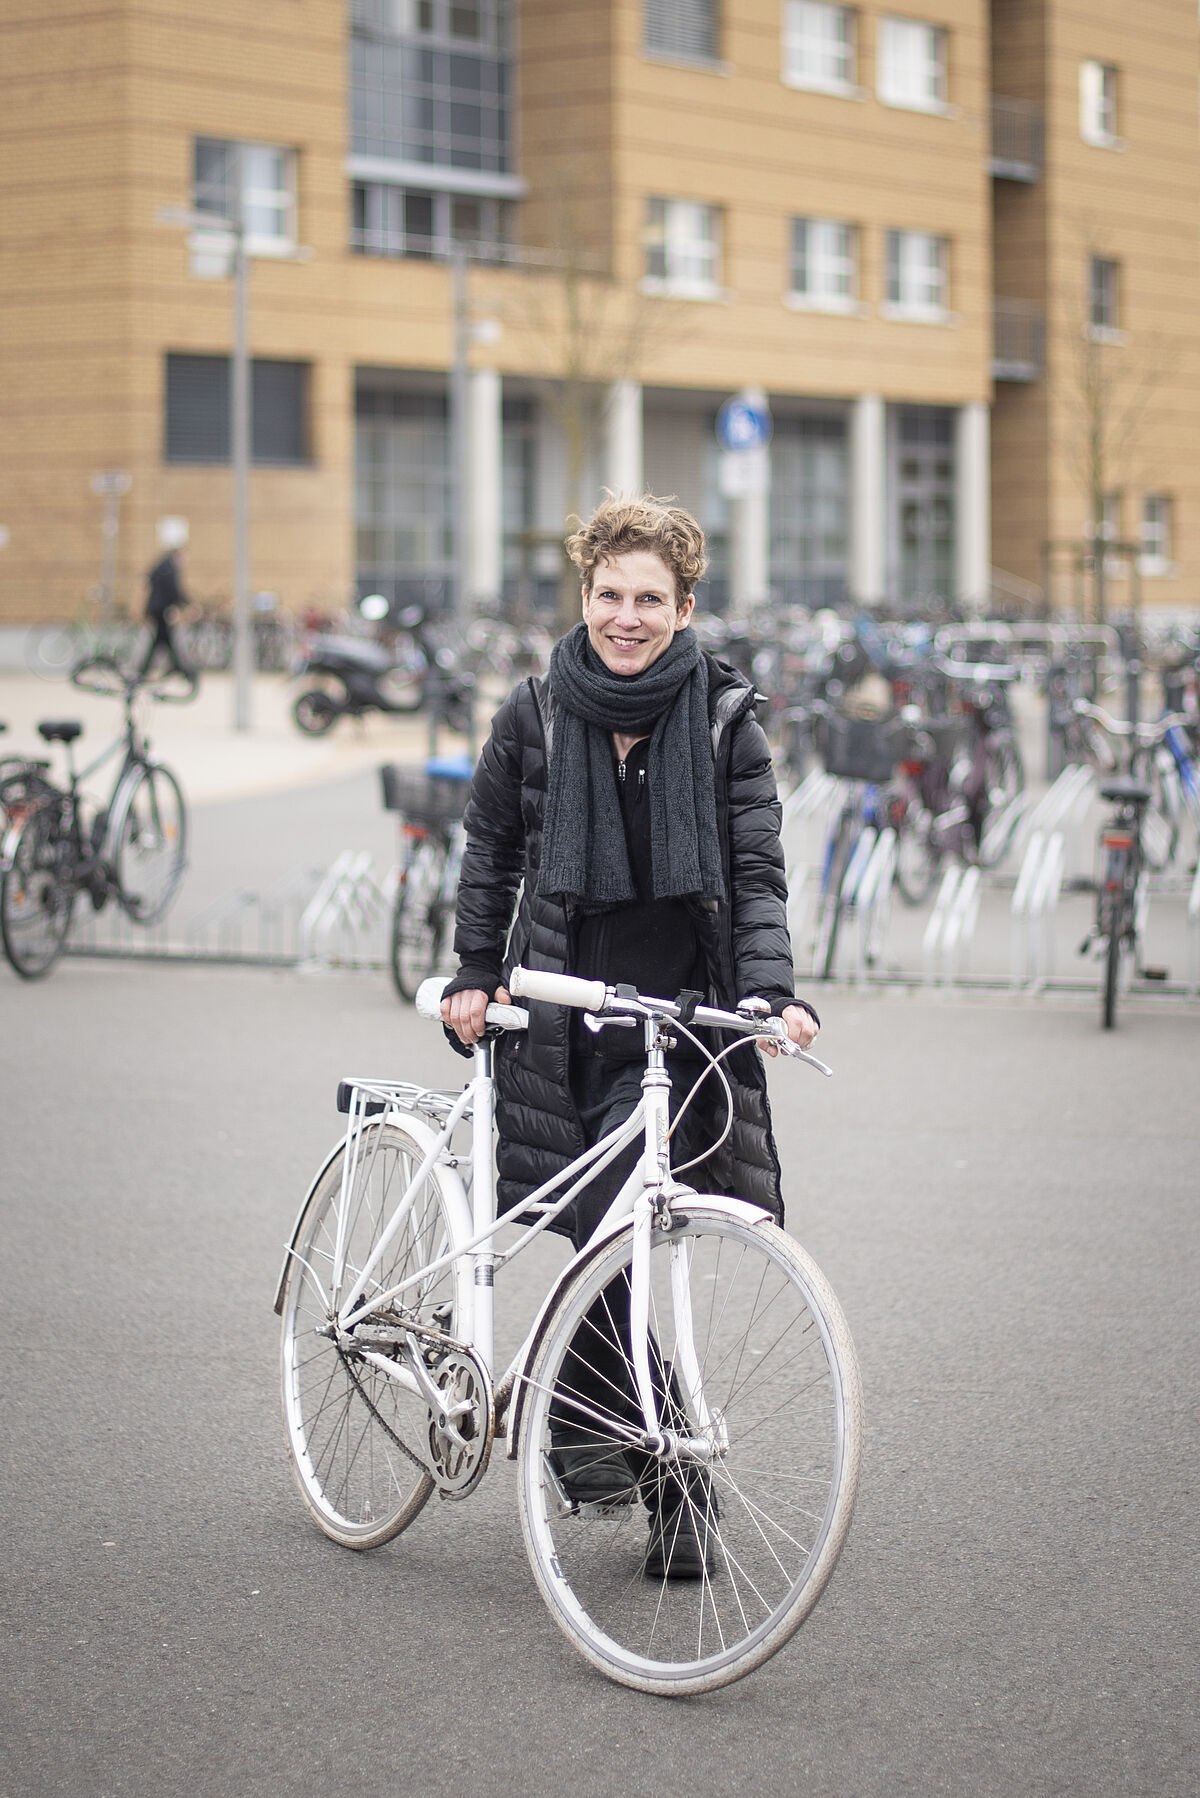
{"type": "Point", "coordinates": [164, 639]}
{"type": "Point", "coordinates": [598, 1367]}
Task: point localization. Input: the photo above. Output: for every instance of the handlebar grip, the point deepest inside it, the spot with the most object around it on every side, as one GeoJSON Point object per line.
{"type": "Point", "coordinates": [557, 989]}
{"type": "Point", "coordinates": [499, 1017]}
{"type": "Point", "coordinates": [429, 997]}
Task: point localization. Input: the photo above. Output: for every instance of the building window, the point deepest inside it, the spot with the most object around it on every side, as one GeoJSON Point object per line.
{"type": "Point", "coordinates": [1098, 104]}
{"type": "Point", "coordinates": [402, 221]}
{"type": "Point", "coordinates": [917, 263]}
{"type": "Point", "coordinates": [1156, 534]}
{"type": "Point", "coordinates": [685, 28]}
{"type": "Point", "coordinates": [198, 411]}
{"type": "Point", "coordinates": [256, 180]}
{"type": "Point", "coordinates": [430, 82]}
{"type": "Point", "coordinates": [683, 249]}
{"type": "Point", "coordinates": [923, 520]}
{"type": "Point", "coordinates": [1103, 294]}
{"type": "Point", "coordinates": [824, 265]}
{"type": "Point", "coordinates": [912, 64]}
{"type": "Point", "coordinates": [403, 494]}
{"type": "Point", "coordinates": [819, 46]}
{"type": "Point", "coordinates": [810, 510]}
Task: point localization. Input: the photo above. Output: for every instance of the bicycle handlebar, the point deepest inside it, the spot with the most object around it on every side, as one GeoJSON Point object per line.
{"type": "Point", "coordinates": [594, 996]}
{"type": "Point", "coordinates": [1147, 734]}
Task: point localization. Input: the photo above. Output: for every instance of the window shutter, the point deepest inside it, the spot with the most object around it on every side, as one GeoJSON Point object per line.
{"type": "Point", "coordinates": [682, 27]}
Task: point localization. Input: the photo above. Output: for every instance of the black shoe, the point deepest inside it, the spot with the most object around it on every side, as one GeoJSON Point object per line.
{"type": "Point", "coordinates": [594, 1473]}
{"type": "Point", "coordinates": [683, 1541]}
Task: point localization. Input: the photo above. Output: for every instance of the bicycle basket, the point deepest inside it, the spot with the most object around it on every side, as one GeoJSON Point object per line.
{"type": "Point", "coordinates": [859, 748]}
{"type": "Point", "coordinates": [421, 797]}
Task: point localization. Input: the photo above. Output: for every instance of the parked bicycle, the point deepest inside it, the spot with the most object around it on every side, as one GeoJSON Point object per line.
{"type": "Point", "coordinates": [430, 802]}
{"type": "Point", "coordinates": [862, 752]}
{"type": "Point", "coordinates": [131, 850]}
{"type": "Point", "coordinates": [735, 1405]}
{"type": "Point", "coordinates": [1127, 851]}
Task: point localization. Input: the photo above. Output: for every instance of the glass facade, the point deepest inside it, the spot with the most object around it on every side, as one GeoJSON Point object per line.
{"type": "Point", "coordinates": [923, 504]}
{"type": "Point", "coordinates": [810, 510]}
{"type": "Point", "coordinates": [430, 82]}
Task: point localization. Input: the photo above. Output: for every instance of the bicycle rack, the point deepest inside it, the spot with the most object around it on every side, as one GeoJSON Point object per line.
{"type": "Point", "coordinates": [1035, 908]}
{"type": "Point", "coordinates": [1193, 933]}
{"type": "Point", "coordinates": [874, 901]}
{"type": "Point", "coordinates": [951, 927]}
{"type": "Point", "coordinates": [348, 906]}
{"type": "Point", "coordinates": [803, 830]}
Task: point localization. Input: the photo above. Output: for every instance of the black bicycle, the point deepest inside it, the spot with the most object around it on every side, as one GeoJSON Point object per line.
{"type": "Point", "coordinates": [132, 850]}
{"type": "Point", "coordinates": [430, 802]}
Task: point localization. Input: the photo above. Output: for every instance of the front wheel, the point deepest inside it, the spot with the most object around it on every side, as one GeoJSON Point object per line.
{"type": "Point", "coordinates": [359, 1437]}
{"type": "Point", "coordinates": [702, 1567]}
{"type": "Point", "coordinates": [37, 892]}
{"type": "Point", "coordinates": [149, 838]}
{"type": "Point", "coordinates": [418, 920]}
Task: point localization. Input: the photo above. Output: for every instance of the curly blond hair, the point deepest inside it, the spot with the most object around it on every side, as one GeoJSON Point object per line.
{"type": "Point", "coordinates": [650, 523]}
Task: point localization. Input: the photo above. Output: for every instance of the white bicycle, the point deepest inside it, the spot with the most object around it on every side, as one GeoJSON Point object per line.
{"type": "Point", "coordinates": [734, 1418]}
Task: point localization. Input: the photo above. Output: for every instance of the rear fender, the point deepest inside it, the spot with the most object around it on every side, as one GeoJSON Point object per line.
{"type": "Point", "coordinates": [452, 1188]}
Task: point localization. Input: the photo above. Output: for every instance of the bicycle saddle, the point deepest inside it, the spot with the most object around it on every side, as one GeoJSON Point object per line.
{"type": "Point", "coordinates": [1126, 792]}
{"type": "Point", "coordinates": [63, 730]}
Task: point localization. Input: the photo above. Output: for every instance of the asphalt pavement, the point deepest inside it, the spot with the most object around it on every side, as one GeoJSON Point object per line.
{"type": "Point", "coordinates": [1005, 1199]}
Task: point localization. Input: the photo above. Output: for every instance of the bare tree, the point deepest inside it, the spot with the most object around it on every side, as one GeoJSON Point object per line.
{"type": "Point", "coordinates": [583, 329]}
{"type": "Point", "coordinates": [1114, 379]}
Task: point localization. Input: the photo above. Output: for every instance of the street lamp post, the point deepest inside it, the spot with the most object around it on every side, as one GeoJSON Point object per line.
{"type": "Point", "coordinates": [240, 421]}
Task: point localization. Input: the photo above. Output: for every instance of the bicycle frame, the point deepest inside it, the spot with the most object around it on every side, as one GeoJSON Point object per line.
{"type": "Point", "coordinates": [644, 1194]}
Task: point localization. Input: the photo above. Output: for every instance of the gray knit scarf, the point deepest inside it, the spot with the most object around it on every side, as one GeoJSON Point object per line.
{"type": "Point", "coordinates": [584, 854]}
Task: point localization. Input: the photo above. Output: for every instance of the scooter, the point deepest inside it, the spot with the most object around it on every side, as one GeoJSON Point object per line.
{"type": "Point", "coordinates": [348, 676]}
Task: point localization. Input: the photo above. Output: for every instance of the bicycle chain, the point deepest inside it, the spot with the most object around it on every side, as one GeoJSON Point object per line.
{"type": "Point", "coordinates": [378, 1415]}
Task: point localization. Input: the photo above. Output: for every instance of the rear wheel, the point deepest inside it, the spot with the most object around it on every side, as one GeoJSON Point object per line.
{"type": "Point", "coordinates": [763, 1384]}
{"type": "Point", "coordinates": [831, 905]}
{"type": "Point", "coordinates": [37, 892]}
{"type": "Point", "coordinates": [418, 921]}
{"type": "Point", "coordinates": [150, 844]}
{"type": "Point", "coordinates": [917, 856]}
{"type": "Point", "coordinates": [359, 1438]}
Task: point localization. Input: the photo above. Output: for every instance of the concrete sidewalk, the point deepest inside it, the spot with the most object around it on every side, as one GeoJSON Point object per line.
{"type": "Point", "coordinates": [198, 741]}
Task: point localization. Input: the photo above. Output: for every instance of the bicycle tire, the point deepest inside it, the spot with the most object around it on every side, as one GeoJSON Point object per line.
{"type": "Point", "coordinates": [829, 912]}
{"type": "Point", "coordinates": [354, 1434]}
{"type": "Point", "coordinates": [917, 856]}
{"type": "Point", "coordinates": [1113, 903]}
{"type": "Point", "coordinates": [149, 831]}
{"type": "Point", "coordinates": [418, 921]}
{"type": "Point", "coordinates": [37, 892]}
{"type": "Point", "coordinates": [780, 1377]}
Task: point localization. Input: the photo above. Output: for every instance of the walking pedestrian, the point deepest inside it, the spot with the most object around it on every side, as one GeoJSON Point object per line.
{"type": "Point", "coordinates": [165, 599]}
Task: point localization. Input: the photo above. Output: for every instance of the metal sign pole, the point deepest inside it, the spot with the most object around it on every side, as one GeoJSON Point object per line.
{"type": "Point", "coordinates": [243, 647]}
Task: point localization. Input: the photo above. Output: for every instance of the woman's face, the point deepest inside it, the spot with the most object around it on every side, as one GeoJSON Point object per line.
{"type": "Point", "coordinates": [630, 613]}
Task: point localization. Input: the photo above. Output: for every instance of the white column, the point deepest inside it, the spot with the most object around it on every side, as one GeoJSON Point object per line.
{"type": "Point", "coordinates": [623, 464]}
{"type": "Point", "coordinates": [484, 488]}
{"type": "Point", "coordinates": [973, 519]}
{"type": "Point", "coordinates": [750, 525]}
{"type": "Point", "coordinates": [868, 489]}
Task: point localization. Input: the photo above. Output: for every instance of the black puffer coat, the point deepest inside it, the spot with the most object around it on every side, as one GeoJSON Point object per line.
{"type": "Point", "coordinates": [744, 939]}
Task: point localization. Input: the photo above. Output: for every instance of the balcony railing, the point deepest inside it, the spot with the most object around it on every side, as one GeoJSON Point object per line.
{"type": "Point", "coordinates": [1018, 341]}
{"type": "Point", "coordinates": [1018, 139]}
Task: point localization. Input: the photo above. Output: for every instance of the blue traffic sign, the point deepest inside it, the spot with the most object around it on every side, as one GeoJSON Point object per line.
{"type": "Point", "coordinates": [741, 426]}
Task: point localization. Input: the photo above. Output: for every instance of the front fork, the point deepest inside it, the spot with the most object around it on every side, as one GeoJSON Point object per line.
{"type": "Point", "coordinates": [652, 1211]}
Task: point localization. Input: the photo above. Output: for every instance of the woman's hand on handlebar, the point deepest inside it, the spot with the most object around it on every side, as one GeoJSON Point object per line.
{"type": "Point", "coordinates": [465, 1012]}
{"type": "Point", "coordinates": [802, 1027]}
